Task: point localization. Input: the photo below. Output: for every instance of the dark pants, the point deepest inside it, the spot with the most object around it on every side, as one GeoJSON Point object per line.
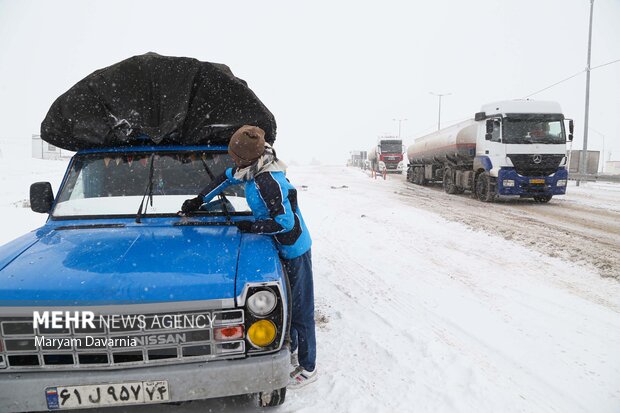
{"type": "Point", "coordinates": [299, 272]}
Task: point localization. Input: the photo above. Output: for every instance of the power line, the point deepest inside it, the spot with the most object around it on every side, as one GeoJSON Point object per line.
{"type": "Point", "coordinates": [548, 87]}
{"type": "Point", "coordinates": [555, 84]}
{"type": "Point", "coordinates": [570, 77]}
{"type": "Point", "coordinates": [605, 64]}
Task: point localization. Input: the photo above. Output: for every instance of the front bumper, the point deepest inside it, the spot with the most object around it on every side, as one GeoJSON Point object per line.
{"type": "Point", "coordinates": [524, 186]}
{"type": "Point", "coordinates": [393, 167]}
{"type": "Point", "coordinates": [21, 392]}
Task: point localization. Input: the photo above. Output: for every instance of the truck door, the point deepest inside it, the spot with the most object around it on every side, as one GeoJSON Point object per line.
{"type": "Point", "coordinates": [495, 149]}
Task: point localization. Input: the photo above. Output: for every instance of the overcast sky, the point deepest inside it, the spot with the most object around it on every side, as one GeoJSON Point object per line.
{"type": "Point", "coordinates": [334, 73]}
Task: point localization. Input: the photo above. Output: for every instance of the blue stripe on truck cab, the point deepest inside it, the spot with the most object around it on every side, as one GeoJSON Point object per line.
{"type": "Point", "coordinates": [483, 162]}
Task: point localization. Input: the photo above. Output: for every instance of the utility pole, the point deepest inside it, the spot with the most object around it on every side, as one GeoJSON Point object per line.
{"type": "Point", "coordinates": [399, 123]}
{"type": "Point", "coordinates": [584, 152]}
{"type": "Point", "coordinates": [439, 111]}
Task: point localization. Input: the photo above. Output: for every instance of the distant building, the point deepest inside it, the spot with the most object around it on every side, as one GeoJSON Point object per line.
{"type": "Point", "coordinates": [44, 150]}
{"type": "Point", "coordinates": [612, 168]}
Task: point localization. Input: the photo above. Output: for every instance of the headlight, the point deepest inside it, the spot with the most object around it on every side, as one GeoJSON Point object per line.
{"type": "Point", "coordinates": [400, 165]}
{"type": "Point", "coordinates": [561, 182]}
{"type": "Point", "coordinates": [262, 333]}
{"type": "Point", "coordinates": [509, 183]}
{"type": "Point", "coordinates": [262, 302]}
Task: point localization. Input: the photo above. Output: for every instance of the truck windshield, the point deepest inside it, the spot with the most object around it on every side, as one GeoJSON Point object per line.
{"type": "Point", "coordinates": [114, 183]}
{"type": "Point", "coordinates": [530, 129]}
{"type": "Point", "coordinates": [391, 147]}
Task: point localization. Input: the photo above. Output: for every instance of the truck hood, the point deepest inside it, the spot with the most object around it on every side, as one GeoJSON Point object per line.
{"type": "Point", "coordinates": [102, 265]}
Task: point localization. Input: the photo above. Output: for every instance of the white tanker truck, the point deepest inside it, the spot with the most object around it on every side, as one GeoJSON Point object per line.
{"type": "Point", "coordinates": [515, 147]}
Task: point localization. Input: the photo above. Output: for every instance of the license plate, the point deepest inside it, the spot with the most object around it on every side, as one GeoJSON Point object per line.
{"type": "Point", "coordinates": [537, 181]}
{"type": "Point", "coordinates": [111, 394]}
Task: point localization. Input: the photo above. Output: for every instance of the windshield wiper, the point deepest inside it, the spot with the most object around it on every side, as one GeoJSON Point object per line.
{"type": "Point", "coordinates": [148, 191]}
{"type": "Point", "coordinates": [223, 199]}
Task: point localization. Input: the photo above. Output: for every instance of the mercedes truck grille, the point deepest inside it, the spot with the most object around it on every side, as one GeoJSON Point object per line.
{"type": "Point", "coordinates": [535, 164]}
{"type": "Point", "coordinates": [23, 348]}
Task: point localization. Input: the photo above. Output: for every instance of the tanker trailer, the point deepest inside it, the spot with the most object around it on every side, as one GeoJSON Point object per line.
{"type": "Point", "coordinates": [515, 147]}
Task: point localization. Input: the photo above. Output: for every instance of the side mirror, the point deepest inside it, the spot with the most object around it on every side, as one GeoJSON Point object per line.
{"type": "Point", "coordinates": [480, 116]}
{"type": "Point", "coordinates": [41, 197]}
{"type": "Point", "coordinates": [489, 135]}
{"type": "Point", "coordinates": [571, 129]}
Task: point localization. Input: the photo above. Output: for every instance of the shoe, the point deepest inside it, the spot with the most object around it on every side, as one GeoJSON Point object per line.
{"type": "Point", "coordinates": [294, 360]}
{"type": "Point", "coordinates": [300, 377]}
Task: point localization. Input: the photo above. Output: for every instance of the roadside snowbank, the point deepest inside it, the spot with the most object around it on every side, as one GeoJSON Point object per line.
{"type": "Point", "coordinates": [604, 195]}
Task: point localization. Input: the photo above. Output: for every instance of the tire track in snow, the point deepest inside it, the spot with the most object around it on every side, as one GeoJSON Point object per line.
{"type": "Point", "coordinates": [579, 233]}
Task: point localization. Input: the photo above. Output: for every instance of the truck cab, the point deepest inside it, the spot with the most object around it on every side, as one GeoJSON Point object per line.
{"type": "Point", "coordinates": [522, 145]}
{"type": "Point", "coordinates": [181, 307]}
{"type": "Point", "coordinates": [387, 155]}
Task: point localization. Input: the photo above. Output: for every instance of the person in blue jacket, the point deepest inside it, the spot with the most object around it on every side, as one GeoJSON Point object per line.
{"type": "Point", "coordinates": [273, 201]}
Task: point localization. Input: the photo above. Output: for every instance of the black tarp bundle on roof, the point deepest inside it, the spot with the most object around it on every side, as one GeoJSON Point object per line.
{"type": "Point", "coordinates": [153, 99]}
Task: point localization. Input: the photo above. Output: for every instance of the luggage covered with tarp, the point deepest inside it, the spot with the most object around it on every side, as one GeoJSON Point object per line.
{"type": "Point", "coordinates": [155, 100]}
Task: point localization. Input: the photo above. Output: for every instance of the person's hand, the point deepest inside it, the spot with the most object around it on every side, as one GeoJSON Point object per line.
{"type": "Point", "coordinates": [244, 226]}
{"type": "Point", "coordinates": [192, 205]}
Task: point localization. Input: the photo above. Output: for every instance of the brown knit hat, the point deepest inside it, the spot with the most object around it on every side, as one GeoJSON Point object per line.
{"type": "Point", "coordinates": [246, 145]}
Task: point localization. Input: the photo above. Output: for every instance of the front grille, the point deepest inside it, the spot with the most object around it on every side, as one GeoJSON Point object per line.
{"type": "Point", "coordinates": [110, 346]}
{"type": "Point", "coordinates": [535, 164]}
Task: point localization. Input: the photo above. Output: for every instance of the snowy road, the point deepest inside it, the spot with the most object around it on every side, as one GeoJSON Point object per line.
{"type": "Point", "coordinates": [429, 315]}
{"type": "Point", "coordinates": [426, 306]}
{"type": "Point", "coordinates": [583, 226]}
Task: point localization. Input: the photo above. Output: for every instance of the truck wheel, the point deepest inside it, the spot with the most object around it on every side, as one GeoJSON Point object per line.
{"type": "Point", "coordinates": [273, 398]}
{"type": "Point", "coordinates": [542, 199]}
{"type": "Point", "coordinates": [484, 188]}
{"type": "Point", "coordinates": [448, 184]}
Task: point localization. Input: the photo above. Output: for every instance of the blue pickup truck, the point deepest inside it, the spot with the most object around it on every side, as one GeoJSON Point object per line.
{"type": "Point", "coordinates": [114, 246]}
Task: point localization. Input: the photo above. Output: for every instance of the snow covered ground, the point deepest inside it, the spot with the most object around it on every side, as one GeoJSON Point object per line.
{"type": "Point", "coordinates": [582, 226]}
{"type": "Point", "coordinates": [603, 195]}
{"type": "Point", "coordinates": [429, 315]}
{"type": "Point", "coordinates": [421, 311]}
